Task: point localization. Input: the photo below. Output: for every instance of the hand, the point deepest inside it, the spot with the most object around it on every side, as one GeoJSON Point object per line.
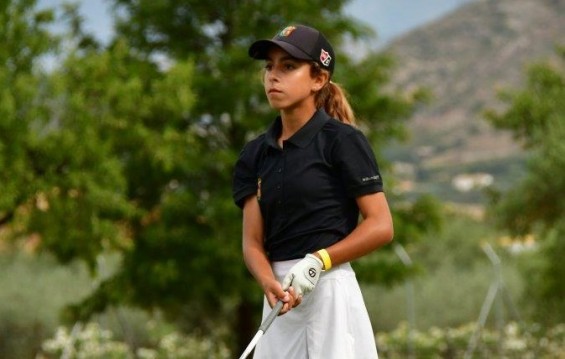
{"type": "Point", "coordinates": [304, 275]}
{"type": "Point", "coordinates": [274, 293]}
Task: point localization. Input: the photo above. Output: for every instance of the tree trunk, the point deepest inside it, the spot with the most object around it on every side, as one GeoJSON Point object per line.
{"type": "Point", "coordinates": [246, 325]}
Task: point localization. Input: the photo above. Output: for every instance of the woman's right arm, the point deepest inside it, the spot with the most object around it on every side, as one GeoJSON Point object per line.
{"type": "Point", "coordinates": [256, 258]}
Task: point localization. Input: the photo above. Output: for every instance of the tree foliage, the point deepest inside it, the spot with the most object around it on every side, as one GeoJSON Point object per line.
{"type": "Point", "coordinates": [536, 116]}
{"type": "Point", "coordinates": [25, 40]}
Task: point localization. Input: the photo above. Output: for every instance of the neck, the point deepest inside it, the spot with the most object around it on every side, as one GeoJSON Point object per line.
{"type": "Point", "coordinates": [293, 120]}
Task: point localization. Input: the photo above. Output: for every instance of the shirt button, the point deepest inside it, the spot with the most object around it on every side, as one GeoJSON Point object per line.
{"type": "Point", "coordinates": [279, 186]}
{"type": "Point", "coordinates": [279, 170]}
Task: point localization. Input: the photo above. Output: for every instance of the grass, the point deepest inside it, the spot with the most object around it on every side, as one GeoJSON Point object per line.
{"type": "Point", "coordinates": [449, 292]}
{"type": "Point", "coordinates": [34, 290]}
{"type": "Point", "coordinates": [455, 279]}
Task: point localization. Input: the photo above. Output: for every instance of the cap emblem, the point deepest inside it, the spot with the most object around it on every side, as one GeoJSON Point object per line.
{"type": "Point", "coordinates": [325, 58]}
{"type": "Point", "coordinates": [287, 31]}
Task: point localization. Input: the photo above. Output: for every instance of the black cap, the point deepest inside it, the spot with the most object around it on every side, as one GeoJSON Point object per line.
{"type": "Point", "coordinates": [301, 42]}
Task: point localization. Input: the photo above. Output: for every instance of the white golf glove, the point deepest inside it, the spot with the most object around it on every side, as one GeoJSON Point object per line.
{"type": "Point", "coordinates": [304, 275]}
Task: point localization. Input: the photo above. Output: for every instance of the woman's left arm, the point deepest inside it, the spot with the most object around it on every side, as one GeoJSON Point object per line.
{"type": "Point", "coordinates": [374, 231]}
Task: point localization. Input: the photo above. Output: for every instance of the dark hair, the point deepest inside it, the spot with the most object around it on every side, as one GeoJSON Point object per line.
{"type": "Point", "coordinates": [333, 98]}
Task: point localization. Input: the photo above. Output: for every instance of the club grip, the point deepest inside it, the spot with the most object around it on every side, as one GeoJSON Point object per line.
{"type": "Point", "coordinates": [272, 315]}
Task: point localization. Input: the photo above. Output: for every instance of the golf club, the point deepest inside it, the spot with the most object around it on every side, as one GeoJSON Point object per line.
{"type": "Point", "coordinates": [262, 329]}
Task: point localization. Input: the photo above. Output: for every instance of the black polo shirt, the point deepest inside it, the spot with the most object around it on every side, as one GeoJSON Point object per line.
{"type": "Point", "coordinates": [307, 189]}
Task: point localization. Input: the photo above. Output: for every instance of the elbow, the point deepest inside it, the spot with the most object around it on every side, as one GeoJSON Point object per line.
{"type": "Point", "coordinates": [388, 234]}
{"type": "Point", "coordinates": [385, 233]}
{"type": "Point", "coordinates": [382, 233]}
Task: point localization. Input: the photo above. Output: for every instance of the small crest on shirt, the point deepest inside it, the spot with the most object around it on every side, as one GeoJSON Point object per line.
{"type": "Point", "coordinates": [259, 189]}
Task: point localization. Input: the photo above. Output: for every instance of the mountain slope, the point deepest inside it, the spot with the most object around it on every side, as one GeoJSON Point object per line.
{"type": "Point", "coordinates": [464, 58]}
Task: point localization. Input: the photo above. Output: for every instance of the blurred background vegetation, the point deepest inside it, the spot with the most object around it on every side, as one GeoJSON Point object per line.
{"type": "Point", "coordinates": [117, 227]}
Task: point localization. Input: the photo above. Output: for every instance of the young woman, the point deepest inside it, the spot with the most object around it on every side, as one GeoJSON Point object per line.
{"type": "Point", "coordinates": [302, 185]}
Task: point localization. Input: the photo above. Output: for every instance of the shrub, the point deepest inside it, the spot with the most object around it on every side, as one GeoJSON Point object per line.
{"type": "Point", "coordinates": [93, 342]}
{"type": "Point", "coordinates": [515, 341]}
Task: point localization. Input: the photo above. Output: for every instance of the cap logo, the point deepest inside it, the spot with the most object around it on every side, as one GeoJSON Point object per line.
{"type": "Point", "coordinates": [287, 31]}
{"type": "Point", "coordinates": [325, 58]}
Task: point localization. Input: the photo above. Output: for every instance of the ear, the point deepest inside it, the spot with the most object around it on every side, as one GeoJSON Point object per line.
{"type": "Point", "coordinates": [320, 81]}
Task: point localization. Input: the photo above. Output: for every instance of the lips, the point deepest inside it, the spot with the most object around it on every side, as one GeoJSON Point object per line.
{"type": "Point", "coordinates": [274, 91]}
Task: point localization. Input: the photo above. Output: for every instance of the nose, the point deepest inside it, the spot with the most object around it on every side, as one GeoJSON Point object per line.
{"type": "Point", "coordinates": [271, 75]}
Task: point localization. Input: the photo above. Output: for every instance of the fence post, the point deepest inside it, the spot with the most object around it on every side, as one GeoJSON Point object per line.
{"type": "Point", "coordinates": [410, 308]}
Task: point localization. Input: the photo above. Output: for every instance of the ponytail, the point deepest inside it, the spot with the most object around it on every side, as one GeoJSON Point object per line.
{"type": "Point", "coordinates": [333, 99]}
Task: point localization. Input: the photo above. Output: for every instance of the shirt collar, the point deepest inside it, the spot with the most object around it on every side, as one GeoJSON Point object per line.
{"type": "Point", "coordinates": [304, 135]}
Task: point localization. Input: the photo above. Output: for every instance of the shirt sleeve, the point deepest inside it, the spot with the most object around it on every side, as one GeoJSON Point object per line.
{"type": "Point", "coordinates": [245, 176]}
{"type": "Point", "coordinates": [357, 165]}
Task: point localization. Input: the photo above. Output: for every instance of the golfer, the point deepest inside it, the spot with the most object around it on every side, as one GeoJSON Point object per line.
{"type": "Point", "coordinates": [302, 185]}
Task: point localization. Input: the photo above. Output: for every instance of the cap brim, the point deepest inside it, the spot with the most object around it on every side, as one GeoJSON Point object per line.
{"type": "Point", "coordinates": [259, 49]}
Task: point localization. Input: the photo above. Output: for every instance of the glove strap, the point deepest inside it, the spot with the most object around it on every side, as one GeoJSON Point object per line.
{"type": "Point", "coordinates": [325, 259]}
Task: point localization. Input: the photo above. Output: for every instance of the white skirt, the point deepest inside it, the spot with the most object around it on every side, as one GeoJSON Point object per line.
{"type": "Point", "coordinates": [331, 322]}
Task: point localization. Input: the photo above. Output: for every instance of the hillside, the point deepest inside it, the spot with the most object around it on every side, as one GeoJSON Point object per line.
{"type": "Point", "coordinates": [464, 58]}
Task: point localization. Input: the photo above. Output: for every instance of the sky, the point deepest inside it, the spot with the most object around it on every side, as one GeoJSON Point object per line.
{"type": "Point", "coordinates": [393, 18]}
{"type": "Point", "coordinates": [389, 18]}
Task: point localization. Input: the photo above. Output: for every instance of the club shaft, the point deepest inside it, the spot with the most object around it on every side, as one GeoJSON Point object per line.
{"type": "Point", "coordinates": [263, 328]}
{"type": "Point", "coordinates": [251, 345]}
{"type": "Point", "coordinates": [272, 315]}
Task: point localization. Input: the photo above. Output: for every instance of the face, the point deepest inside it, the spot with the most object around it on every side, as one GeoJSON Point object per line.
{"type": "Point", "coordinates": [287, 80]}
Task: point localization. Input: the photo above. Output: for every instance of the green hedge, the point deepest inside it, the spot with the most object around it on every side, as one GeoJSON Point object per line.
{"type": "Point", "coordinates": [516, 341]}
{"type": "Point", "coordinates": [91, 341]}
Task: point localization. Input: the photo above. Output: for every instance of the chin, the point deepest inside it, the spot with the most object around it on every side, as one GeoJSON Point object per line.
{"type": "Point", "coordinates": [276, 106]}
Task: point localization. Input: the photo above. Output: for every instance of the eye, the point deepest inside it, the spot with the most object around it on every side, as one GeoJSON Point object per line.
{"type": "Point", "coordinates": [289, 65]}
{"type": "Point", "coordinates": [268, 66]}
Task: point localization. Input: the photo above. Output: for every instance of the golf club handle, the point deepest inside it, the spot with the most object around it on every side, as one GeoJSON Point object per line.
{"type": "Point", "coordinates": [276, 310]}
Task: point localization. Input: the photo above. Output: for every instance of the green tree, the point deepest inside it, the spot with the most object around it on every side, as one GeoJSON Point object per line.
{"type": "Point", "coordinates": [25, 41]}
{"type": "Point", "coordinates": [536, 117]}
{"type": "Point", "coordinates": [231, 107]}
